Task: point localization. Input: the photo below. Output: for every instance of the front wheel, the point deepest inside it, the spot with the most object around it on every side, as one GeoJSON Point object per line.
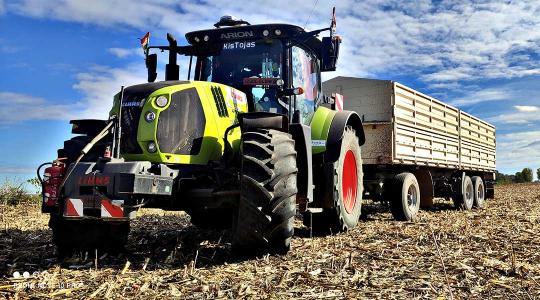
{"type": "Point", "coordinates": [268, 191]}
{"type": "Point", "coordinates": [342, 188]}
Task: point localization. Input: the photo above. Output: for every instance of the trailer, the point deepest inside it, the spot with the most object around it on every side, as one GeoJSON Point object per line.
{"type": "Point", "coordinates": [418, 147]}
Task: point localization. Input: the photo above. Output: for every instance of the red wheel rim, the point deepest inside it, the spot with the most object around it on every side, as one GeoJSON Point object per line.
{"type": "Point", "coordinates": [349, 182]}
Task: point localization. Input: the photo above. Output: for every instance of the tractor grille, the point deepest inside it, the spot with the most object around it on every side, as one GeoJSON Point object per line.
{"type": "Point", "coordinates": [181, 125]}
{"type": "Point", "coordinates": [220, 102]}
{"type": "Point", "coordinates": [131, 114]}
{"type": "Point", "coordinates": [134, 99]}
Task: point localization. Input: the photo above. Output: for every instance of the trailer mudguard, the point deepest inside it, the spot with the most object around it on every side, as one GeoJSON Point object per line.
{"type": "Point", "coordinates": [340, 121]}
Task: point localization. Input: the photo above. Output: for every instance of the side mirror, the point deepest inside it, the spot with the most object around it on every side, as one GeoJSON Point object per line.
{"type": "Point", "coordinates": [151, 65]}
{"type": "Point", "coordinates": [329, 53]}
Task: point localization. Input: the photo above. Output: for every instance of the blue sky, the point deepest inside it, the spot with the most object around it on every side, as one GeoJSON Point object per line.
{"type": "Point", "coordinates": [62, 59]}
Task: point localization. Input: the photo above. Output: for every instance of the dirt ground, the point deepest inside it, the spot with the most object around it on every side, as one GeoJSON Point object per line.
{"type": "Point", "coordinates": [447, 254]}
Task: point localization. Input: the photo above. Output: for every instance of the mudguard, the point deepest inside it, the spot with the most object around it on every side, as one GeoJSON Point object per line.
{"type": "Point", "coordinates": [340, 121]}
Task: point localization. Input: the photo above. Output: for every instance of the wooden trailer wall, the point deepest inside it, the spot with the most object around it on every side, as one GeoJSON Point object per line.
{"type": "Point", "coordinates": [403, 126]}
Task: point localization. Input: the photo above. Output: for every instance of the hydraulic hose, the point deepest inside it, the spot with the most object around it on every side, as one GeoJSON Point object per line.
{"type": "Point", "coordinates": [87, 148]}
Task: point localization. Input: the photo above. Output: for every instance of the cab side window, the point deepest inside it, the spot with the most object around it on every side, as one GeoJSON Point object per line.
{"type": "Point", "coordinates": [305, 74]}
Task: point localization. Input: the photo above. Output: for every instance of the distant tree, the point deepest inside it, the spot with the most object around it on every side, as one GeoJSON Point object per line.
{"type": "Point", "coordinates": [518, 178]}
{"type": "Point", "coordinates": [527, 174]}
{"type": "Point", "coordinates": [538, 174]}
{"type": "Point", "coordinates": [503, 178]}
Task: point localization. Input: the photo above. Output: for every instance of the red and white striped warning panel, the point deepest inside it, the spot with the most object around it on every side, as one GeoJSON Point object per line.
{"type": "Point", "coordinates": [112, 208]}
{"type": "Point", "coordinates": [73, 208]}
{"type": "Point", "coordinates": [338, 100]}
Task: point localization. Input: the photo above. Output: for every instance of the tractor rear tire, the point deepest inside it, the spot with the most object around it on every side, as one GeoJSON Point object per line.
{"type": "Point", "coordinates": [405, 197]}
{"type": "Point", "coordinates": [479, 192]}
{"type": "Point", "coordinates": [343, 186]}
{"type": "Point", "coordinates": [71, 236]}
{"type": "Point", "coordinates": [466, 199]}
{"type": "Point", "coordinates": [214, 218]}
{"type": "Point", "coordinates": [267, 206]}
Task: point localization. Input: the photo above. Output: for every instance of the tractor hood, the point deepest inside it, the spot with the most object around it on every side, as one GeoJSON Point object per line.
{"type": "Point", "coordinates": [177, 121]}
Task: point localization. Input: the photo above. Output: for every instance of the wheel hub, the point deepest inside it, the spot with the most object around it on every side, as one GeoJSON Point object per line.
{"type": "Point", "coordinates": [349, 185]}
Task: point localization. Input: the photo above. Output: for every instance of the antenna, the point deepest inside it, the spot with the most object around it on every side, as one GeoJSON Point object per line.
{"type": "Point", "coordinates": [309, 16]}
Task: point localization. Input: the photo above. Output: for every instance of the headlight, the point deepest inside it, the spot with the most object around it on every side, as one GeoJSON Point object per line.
{"type": "Point", "coordinates": [162, 101]}
{"type": "Point", "coordinates": [150, 116]}
{"type": "Point", "coordinates": [151, 147]}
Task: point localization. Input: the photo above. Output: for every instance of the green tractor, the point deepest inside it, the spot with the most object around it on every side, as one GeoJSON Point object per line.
{"type": "Point", "coordinates": [247, 142]}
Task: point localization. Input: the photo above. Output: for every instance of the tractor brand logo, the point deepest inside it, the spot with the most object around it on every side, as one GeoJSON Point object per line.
{"type": "Point", "coordinates": [94, 180]}
{"type": "Point", "coordinates": [133, 103]}
{"type": "Point", "coordinates": [236, 35]}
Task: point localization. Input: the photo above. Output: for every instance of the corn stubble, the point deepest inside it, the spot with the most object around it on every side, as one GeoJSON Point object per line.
{"type": "Point", "coordinates": [446, 253]}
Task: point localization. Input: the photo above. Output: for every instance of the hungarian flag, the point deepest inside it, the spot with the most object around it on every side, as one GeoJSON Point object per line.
{"type": "Point", "coordinates": [333, 25]}
{"type": "Point", "coordinates": [145, 40]}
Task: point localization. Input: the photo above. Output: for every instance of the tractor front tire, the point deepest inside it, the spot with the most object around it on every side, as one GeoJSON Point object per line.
{"type": "Point", "coordinates": [267, 206]}
{"type": "Point", "coordinates": [343, 185]}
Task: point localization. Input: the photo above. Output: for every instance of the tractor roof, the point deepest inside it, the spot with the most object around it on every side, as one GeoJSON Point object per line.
{"type": "Point", "coordinates": [250, 32]}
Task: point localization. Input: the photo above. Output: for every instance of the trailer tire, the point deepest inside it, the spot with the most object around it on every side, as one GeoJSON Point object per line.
{"type": "Point", "coordinates": [268, 189]}
{"type": "Point", "coordinates": [70, 236]}
{"type": "Point", "coordinates": [344, 187]}
{"type": "Point", "coordinates": [405, 197]}
{"type": "Point", "coordinates": [479, 191]}
{"type": "Point", "coordinates": [466, 199]}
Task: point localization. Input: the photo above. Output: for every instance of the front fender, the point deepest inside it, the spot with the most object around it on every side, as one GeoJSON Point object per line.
{"type": "Point", "coordinates": [340, 121]}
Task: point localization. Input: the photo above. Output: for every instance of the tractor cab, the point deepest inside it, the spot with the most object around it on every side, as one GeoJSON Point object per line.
{"type": "Point", "coordinates": [277, 66]}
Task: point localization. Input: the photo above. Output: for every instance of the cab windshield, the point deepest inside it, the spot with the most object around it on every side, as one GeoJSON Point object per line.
{"type": "Point", "coordinates": [253, 67]}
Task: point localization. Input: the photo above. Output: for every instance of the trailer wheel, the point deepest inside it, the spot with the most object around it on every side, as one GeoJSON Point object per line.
{"type": "Point", "coordinates": [344, 187]}
{"type": "Point", "coordinates": [70, 236]}
{"type": "Point", "coordinates": [405, 201]}
{"type": "Point", "coordinates": [268, 191]}
{"type": "Point", "coordinates": [466, 199]}
{"type": "Point", "coordinates": [479, 191]}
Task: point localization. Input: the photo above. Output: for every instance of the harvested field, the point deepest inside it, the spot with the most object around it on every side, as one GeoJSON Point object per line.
{"type": "Point", "coordinates": [491, 253]}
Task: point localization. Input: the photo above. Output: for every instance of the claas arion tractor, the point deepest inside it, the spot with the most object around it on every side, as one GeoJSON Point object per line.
{"type": "Point", "coordinates": [247, 142]}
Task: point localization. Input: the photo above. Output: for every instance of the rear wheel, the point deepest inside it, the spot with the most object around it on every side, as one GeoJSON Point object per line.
{"type": "Point", "coordinates": [344, 187]}
{"type": "Point", "coordinates": [466, 199]}
{"type": "Point", "coordinates": [479, 191]}
{"type": "Point", "coordinates": [267, 194]}
{"type": "Point", "coordinates": [405, 201]}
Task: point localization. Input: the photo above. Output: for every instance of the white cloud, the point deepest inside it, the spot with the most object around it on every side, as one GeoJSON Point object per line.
{"type": "Point", "coordinates": [448, 41]}
{"type": "Point", "coordinates": [125, 52]}
{"type": "Point", "coordinates": [518, 150]}
{"type": "Point", "coordinates": [525, 114]}
{"type": "Point", "coordinates": [527, 108]}
{"type": "Point", "coordinates": [100, 84]}
{"type": "Point", "coordinates": [19, 107]}
{"type": "Point", "coordinates": [490, 94]}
